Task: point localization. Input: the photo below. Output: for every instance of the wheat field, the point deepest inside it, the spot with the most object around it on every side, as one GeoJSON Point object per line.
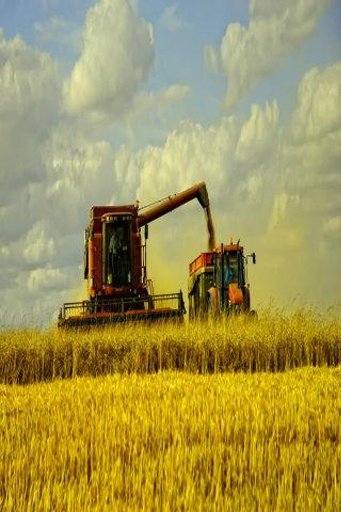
{"type": "Point", "coordinates": [276, 342]}
{"type": "Point", "coordinates": [229, 416]}
{"type": "Point", "coordinates": [173, 441]}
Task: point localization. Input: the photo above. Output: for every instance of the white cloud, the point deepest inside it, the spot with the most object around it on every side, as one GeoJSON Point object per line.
{"type": "Point", "coordinates": [127, 173]}
{"type": "Point", "coordinates": [225, 154]}
{"type": "Point", "coordinates": [117, 55]}
{"type": "Point", "coordinates": [258, 134]}
{"type": "Point", "coordinates": [211, 58]}
{"type": "Point", "coordinates": [39, 247]}
{"type": "Point", "coordinates": [46, 279]}
{"type": "Point", "coordinates": [80, 173]}
{"type": "Point", "coordinates": [4, 251]}
{"type": "Point", "coordinates": [171, 20]}
{"type": "Point", "coordinates": [281, 204]}
{"type": "Point", "coordinates": [318, 112]}
{"type": "Point", "coordinates": [146, 102]}
{"type": "Point", "coordinates": [29, 103]}
{"type": "Point", "coordinates": [248, 54]}
{"type": "Point", "coordinates": [254, 185]}
{"type": "Point", "coordinates": [333, 226]}
{"type": "Point", "coordinates": [47, 5]}
{"type": "Point", "coordinates": [154, 112]}
{"type": "Point", "coordinates": [59, 31]}
{"type": "Point", "coordinates": [27, 80]}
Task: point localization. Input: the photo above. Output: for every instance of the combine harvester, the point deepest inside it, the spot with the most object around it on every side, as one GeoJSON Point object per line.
{"type": "Point", "coordinates": [115, 265]}
{"type": "Point", "coordinates": [217, 284]}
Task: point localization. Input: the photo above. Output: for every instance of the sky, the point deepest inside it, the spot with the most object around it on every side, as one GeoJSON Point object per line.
{"type": "Point", "coordinates": [111, 101]}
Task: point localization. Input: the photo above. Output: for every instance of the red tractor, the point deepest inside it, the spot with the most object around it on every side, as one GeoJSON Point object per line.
{"type": "Point", "coordinates": [217, 282]}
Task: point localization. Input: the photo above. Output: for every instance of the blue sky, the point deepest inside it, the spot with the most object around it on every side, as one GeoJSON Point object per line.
{"type": "Point", "coordinates": [179, 51]}
{"type": "Point", "coordinates": [108, 101]}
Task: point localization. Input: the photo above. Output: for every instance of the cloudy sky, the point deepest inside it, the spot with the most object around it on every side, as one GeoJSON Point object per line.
{"type": "Point", "coordinates": [103, 103]}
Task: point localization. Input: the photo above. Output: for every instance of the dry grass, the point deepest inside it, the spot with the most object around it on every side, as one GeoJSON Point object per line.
{"type": "Point", "coordinates": [173, 441]}
{"type": "Point", "coordinates": [276, 342]}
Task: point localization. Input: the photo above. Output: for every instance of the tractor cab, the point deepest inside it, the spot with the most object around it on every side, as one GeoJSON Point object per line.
{"type": "Point", "coordinates": [229, 266]}
{"type": "Point", "coordinates": [217, 282]}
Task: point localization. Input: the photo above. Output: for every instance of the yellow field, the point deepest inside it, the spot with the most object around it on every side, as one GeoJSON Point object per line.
{"type": "Point", "coordinates": [173, 441]}
{"type": "Point", "coordinates": [276, 342]}
{"type": "Point", "coordinates": [188, 417]}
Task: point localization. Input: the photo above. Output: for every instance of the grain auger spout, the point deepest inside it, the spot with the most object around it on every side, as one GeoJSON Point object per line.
{"type": "Point", "coordinates": [166, 205]}
{"type": "Point", "coordinates": [115, 264]}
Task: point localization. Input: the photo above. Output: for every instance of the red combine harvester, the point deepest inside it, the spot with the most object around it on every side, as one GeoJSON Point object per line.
{"type": "Point", "coordinates": [115, 265]}
{"type": "Point", "coordinates": [217, 282]}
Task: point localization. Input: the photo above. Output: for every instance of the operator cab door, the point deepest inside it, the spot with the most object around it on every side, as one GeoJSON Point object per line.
{"type": "Point", "coordinates": [228, 269]}
{"type": "Point", "coordinates": [117, 251]}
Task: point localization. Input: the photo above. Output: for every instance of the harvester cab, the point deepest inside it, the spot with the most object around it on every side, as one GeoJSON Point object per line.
{"type": "Point", "coordinates": [218, 282]}
{"type": "Point", "coordinates": [115, 265]}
